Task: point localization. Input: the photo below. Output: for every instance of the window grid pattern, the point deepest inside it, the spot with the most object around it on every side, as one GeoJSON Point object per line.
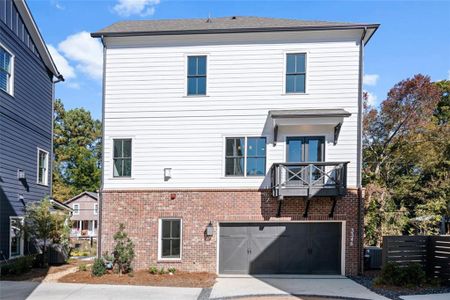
{"type": "Point", "coordinates": [5, 70]}
{"type": "Point", "coordinates": [245, 156]}
{"type": "Point", "coordinates": [42, 167]}
{"type": "Point", "coordinates": [122, 158]}
{"type": "Point", "coordinates": [171, 238]}
{"type": "Point", "coordinates": [196, 75]}
{"type": "Point", "coordinates": [295, 73]}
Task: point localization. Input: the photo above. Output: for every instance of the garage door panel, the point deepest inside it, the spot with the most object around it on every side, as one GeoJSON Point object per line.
{"type": "Point", "coordinates": [233, 250]}
{"type": "Point", "coordinates": [325, 248]}
{"type": "Point", "coordinates": [265, 248]}
{"type": "Point", "coordinates": [294, 249]}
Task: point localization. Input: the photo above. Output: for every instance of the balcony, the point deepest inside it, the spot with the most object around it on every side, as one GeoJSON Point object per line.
{"type": "Point", "coordinates": [309, 179]}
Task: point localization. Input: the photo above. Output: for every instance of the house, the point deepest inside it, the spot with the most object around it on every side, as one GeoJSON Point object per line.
{"type": "Point", "coordinates": [27, 78]}
{"type": "Point", "coordinates": [84, 215]}
{"type": "Point", "coordinates": [233, 145]}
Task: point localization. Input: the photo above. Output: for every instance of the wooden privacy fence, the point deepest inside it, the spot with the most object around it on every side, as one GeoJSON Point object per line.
{"type": "Point", "coordinates": [431, 252]}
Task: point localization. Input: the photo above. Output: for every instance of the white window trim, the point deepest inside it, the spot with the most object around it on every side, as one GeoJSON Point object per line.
{"type": "Point", "coordinates": [186, 59]}
{"type": "Point", "coordinates": [95, 209]}
{"type": "Point", "coordinates": [224, 160]}
{"type": "Point", "coordinates": [299, 51]}
{"type": "Point", "coordinates": [133, 140]}
{"type": "Point", "coordinates": [10, 90]}
{"type": "Point", "coordinates": [76, 211]}
{"type": "Point", "coordinates": [160, 258]}
{"type": "Point", "coordinates": [22, 240]}
{"type": "Point", "coordinates": [45, 183]}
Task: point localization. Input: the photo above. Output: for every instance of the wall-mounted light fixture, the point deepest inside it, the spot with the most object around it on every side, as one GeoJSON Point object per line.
{"type": "Point", "coordinates": [21, 174]}
{"type": "Point", "coordinates": [209, 229]}
{"type": "Point", "coordinates": [167, 174]}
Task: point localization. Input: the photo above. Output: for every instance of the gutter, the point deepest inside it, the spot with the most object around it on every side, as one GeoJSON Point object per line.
{"type": "Point", "coordinates": [231, 30]}
{"type": "Point", "coordinates": [102, 179]}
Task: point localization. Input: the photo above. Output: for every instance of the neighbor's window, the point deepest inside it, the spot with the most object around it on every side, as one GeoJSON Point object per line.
{"type": "Point", "coordinates": [76, 209]}
{"type": "Point", "coordinates": [295, 73]}
{"type": "Point", "coordinates": [5, 70]}
{"type": "Point", "coordinates": [170, 239]}
{"type": "Point", "coordinates": [42, 177]}
{"type": "Point", "coordinates": [247, 154]}
{"type": "Point", "coordinates": [122, 158]}
{"type": "Point", "coordinates": [196, 84]}
{"type": "Point", "coordinates": [16, 237]}
{"type": "Point", "coordinates": [95, 209]}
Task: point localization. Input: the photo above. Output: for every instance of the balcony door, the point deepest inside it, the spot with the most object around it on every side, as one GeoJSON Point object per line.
{"type": "Point", "coordinates": [304, 149]}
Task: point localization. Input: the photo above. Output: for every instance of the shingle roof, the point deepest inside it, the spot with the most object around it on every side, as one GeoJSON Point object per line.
{"type": "Point", "coordinates": [91, 194]}
{"type": "Point", "coordinates": [218, 25]}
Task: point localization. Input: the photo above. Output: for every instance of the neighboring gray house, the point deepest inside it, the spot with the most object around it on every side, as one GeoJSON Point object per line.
{"type": "Point", "coordinates": [27, 78]}
{"type": "Point", "coordinates": [84, 215]}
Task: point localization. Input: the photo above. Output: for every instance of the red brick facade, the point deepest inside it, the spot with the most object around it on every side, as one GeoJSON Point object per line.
{"type": "Point", "coordinates": [141, 210]}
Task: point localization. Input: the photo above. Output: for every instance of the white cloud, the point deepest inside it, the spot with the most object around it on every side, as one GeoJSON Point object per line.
{"type": "Point", "coordinates": [370, 79]}
{"type": "Point", "coordinates": [371, 98]}
{"type": "Point", "coordinates": [74, 85]}
{"type": "Point", "coordinates": [85, 52]}
{"type": "Point", "coordinates": [61, 63]}
{"type": "Point", "coordinates": [126, 8]}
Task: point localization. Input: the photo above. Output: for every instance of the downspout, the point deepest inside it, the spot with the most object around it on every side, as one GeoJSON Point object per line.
{"type": "Point", "coordinates": [59, 78]}
{"type": "Point", "coordinates": [102, 179]}
{"type": "Point", "coordinates": [359, 155]}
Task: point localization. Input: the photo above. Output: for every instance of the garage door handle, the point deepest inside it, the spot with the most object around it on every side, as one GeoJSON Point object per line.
{"type": "Point", "coordinates": [249, 251]}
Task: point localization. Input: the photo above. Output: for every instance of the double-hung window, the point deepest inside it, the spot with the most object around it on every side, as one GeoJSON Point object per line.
{"type": "Point", "coordinates": [122, 157]}
{"type": "Point", "coordinates": [295, 72]}
{"type": "Point", "coordinates": [196, 75]}
{"type": "Point", "coordinates": [42, 172]}
{"type": "Point", "coordinates": [170, 239]}
{"type": "Point", "coordinates": [16, 239]}
{"type": "Point", "coordinates": [96, 209]}
{"type": "Point", "coordinates": [76, 209]}
{"type": "Point", "coordinates": [245, 156]}
{"type": "Point", "coordinates": [6, 61]}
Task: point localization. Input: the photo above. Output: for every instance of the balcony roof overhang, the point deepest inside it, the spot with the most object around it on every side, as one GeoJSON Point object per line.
{"type": "Point", "coordinates": [333, 117]}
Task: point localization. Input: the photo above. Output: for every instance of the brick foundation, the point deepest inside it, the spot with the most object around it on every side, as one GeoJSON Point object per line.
{"type": "Point", "coordinates": [140, 211]}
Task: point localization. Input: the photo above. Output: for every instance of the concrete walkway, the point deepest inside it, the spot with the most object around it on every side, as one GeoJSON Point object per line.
{"type": "Point", "coordinates": [10, 290]}
{"type": "Point", "coordinates": [427, 297]}
{"type": "Point", "coordinates": [338, 286]}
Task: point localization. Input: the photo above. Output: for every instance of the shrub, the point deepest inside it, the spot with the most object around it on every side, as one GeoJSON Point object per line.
{"type": "Point", "coordinates": [82, 267]}
{"type": "Point", "coordinates": [171, 270]}
{"type": "Point", "coordinates": [99, 267]}
{"type": "Point", "coordinates": [403, 276]}
{"type": "Point", "coordinates": [153, 270]}
{"type": "Point", "coordinates": [123, 251]}
{"type": "Point", "coordinates": [19, 265]}
{"type": "Point", "coordinates": [162, 271]}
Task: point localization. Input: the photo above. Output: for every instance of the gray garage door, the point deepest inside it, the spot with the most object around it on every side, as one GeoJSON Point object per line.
{"type": "Point", "coordinates": [274, 248]}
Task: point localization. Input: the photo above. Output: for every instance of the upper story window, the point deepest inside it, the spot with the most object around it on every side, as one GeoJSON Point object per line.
{"type": "Point", "coordinates": [122, 157]}
{"type": "Point", "coordinates": [42, 173]}
{"type": "Point", "coordinates": [295, 72]}
{"type": "Point", "coordinates": [196, 75]}
{"type": "Point", "coordinates": [95, 209]}
{"type": "Point", "coordinates": [6, 61]}
{"type": "Point", "coordinates": [76, 209]}
{"type": "Point", "coordinates": [245, 156]}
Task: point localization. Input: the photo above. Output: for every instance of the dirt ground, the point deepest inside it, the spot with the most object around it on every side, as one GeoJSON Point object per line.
{"type": "Point", "coordinates": [38, 274]}
{"type": "Point", "coordinates": [143, 277]}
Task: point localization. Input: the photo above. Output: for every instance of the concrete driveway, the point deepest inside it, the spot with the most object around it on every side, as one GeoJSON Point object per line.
{"type": "Point", "coordinates": [22, 290]}
{"type": "Point", "coordinates": [337, 286]}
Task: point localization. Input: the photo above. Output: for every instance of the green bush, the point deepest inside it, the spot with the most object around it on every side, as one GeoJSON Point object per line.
{"type": "Point", "coordinates": [172, 270]}
{"type": "Point", "coordinates": [123, 251]}
{"type": "Point", "coordinates": [403, 276]}
{"type": "Point", "coordinates": [162, 271]}
{"type": "Point", "coordinates": [82, 267]}
{"type": "Point", "coordinates": [99, 267]}
{"type": "Point", "coordinates": [19, 265]}
{"type": "Point", "coordinates": [153, 270]}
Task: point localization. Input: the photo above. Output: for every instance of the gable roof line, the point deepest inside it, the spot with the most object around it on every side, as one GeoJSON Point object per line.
{"type": "Point", "coordinates": [28, 19]}
{"type": "Point", "coordinates": [90, 194]}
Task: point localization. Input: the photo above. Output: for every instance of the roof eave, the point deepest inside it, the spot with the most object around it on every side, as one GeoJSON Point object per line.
{"type": "Point", "coordinates": [234, 30]}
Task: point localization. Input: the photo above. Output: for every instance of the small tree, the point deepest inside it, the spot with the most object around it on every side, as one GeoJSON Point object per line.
{"type": "Point", "coordinates": [123, 251]}
{"type": "Point", "coordinates": [45, 225]}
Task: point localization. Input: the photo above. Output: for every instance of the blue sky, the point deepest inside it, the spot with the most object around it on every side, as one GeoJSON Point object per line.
{"type": "Point", "coordinates": [414, 36]}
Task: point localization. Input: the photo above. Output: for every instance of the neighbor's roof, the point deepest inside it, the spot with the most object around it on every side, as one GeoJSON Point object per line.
{"type": "Point", "coordinates": [36, 36]}
{"type": "Point", "coordinates": [221, 25]}
{"type": "Point", "coordinates": [91, 194]}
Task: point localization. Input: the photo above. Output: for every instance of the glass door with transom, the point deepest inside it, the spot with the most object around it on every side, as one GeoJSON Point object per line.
{"type": "Point", "coordinates": [308, 149]}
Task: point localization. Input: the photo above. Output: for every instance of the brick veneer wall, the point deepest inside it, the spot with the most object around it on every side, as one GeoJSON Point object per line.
{"type": "Point", "coordinates": [140, 211]}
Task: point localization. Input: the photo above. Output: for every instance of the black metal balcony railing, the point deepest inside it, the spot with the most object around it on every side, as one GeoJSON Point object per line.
{"type": "Point", "coordinates": [309, 179]}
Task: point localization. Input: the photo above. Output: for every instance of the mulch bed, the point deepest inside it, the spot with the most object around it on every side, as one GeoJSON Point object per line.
{"type": "Point", "coordinates": [143, 277]}
{"type": "Point", "coordinates": [394, 292]}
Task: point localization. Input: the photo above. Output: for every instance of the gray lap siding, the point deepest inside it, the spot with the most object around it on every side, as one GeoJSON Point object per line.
{"type": "Point", "coordinates": [25, 125]}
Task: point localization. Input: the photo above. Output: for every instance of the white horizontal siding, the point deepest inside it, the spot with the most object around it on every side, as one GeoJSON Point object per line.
{"type": "Point", "coordinates": [145, 99]}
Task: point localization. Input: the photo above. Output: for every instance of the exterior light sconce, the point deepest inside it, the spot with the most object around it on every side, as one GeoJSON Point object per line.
{"type": "Point", "coordinates": [167, 174]}
{"type": "Point", "coordinates": [21, 174]}
{"type": "Point", "coordinates": [209, 229]}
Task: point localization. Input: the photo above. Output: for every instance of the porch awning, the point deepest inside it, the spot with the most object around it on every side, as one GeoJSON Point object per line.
{"type": "Point", "coordinates": [333, 117]}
